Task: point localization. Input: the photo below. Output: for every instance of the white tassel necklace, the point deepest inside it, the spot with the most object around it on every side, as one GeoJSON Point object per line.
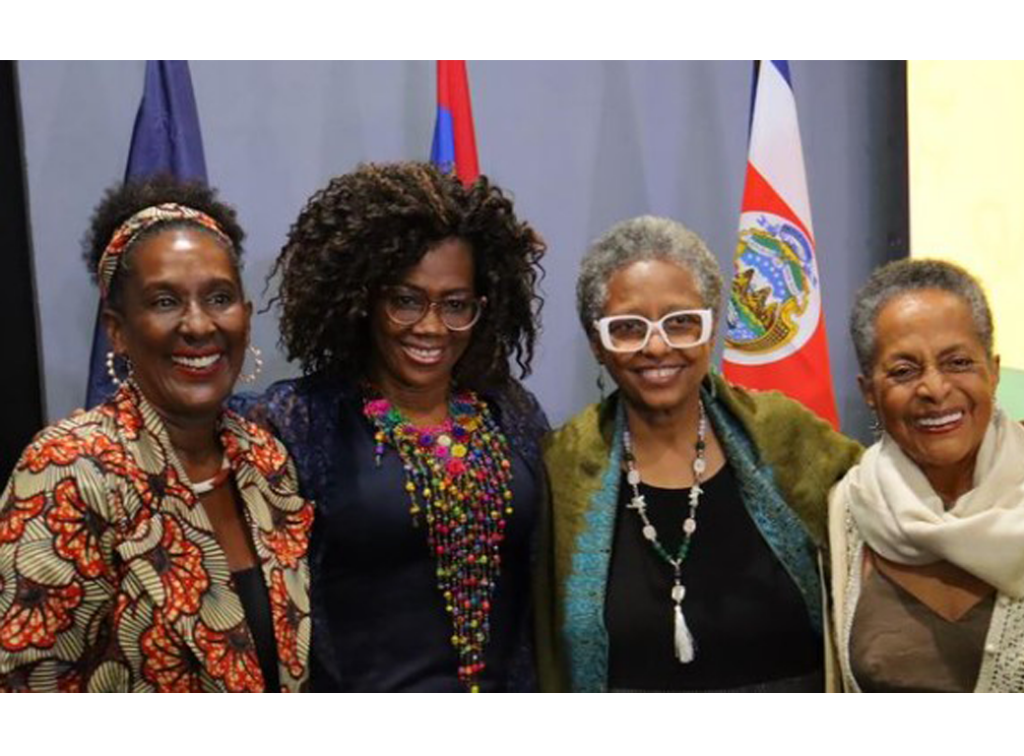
{"type": "Point", "coordinates": [685, 647]}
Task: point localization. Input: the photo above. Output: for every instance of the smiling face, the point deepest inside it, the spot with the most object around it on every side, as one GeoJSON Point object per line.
{"type": "Point", "coordinates": [184, 323]}
{"type": "Point", "coordinates": [932, 384]}
{"type": "Point", "coordinates": [657, 378]}
{"type": "Point", "coordinates": [422, 356]}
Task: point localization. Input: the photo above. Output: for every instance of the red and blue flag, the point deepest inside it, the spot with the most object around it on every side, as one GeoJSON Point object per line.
{"type": "Point", "coordinates": [454, 146]}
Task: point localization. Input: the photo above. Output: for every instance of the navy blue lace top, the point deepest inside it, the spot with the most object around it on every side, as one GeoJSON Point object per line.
{"type": "Point", "coordinates": [379, 622]}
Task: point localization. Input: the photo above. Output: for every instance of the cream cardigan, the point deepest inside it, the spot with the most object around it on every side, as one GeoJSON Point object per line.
{"type": "Point", "coordinates": [1002, 667]}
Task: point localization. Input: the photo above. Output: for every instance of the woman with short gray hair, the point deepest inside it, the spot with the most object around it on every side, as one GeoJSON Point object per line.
{"type": "Point", "coordinates": [686, 511]}
{"type": "Point", "coordinates": [927, 531]}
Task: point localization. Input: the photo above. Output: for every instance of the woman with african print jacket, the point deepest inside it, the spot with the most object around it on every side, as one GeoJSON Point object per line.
{"type": "Point", "coordinates": [405, 295]}
{"type": "Point", "coordinates": [158, 542]}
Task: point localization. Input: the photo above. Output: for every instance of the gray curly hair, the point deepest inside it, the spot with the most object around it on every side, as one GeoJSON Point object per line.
{"type": "Point", "coordinates": [901, 277]}
{"type": "Point", "coordinates": [644, 238]}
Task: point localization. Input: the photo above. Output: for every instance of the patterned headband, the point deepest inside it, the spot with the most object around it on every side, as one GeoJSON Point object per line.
{"type": "Point", "coordinates": [129, 231]}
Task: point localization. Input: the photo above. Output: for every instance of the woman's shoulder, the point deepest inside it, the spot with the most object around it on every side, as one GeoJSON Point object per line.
{"type": "Point", "coordinates": [81, 448]}
{"type": "Point", "coordinates": [518, 405]}
{"type": "Point", "coordinates": [288, 408]}
{"type": "Point", "coordinates": [247, 431]}
{"type": "Point", "coordinates": [521, 418]}
{"type": "Point", "coordinates": [805, 455]}
{"type": "Point", "coordinates": [775, 421]}
{"type": "Point", "coordinates": [583, 427]}
{"type": "Point", "coordinates": [75, 436]}
{"type": "Point", "coordinates": [771, 408]}
{"type": "Point", "coordinates": [839, 499]}
{"type": "Point", "coordinates": [584, 440]}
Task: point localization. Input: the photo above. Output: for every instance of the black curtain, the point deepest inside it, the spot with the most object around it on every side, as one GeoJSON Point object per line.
{"type": "Point", "coordinates": [21, 400]}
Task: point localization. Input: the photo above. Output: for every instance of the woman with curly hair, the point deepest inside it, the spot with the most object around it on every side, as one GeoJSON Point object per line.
{"type": "Point", "coordinates": [158, 542]}
{"type": "Point", "coordinates": [405, 295]}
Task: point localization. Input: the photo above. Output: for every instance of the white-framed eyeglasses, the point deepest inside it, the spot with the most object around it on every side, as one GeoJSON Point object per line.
{"type": "Point", "coordinates": [631, 333]}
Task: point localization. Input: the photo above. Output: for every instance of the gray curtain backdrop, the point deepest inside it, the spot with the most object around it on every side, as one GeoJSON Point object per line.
{"type": "Point", "coordinates": [580, 145]}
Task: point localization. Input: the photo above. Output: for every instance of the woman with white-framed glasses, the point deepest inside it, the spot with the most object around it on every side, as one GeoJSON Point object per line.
{"type": "Point", "coordinates": [406, 297]}
{"type": "Point", "coordinates": [686, 512]}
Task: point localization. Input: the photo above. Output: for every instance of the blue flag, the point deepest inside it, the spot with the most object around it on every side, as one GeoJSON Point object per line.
{"type": "Point", "coordinates": [166, 139]}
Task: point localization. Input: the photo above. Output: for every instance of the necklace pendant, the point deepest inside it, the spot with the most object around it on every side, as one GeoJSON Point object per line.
{"type": "Point", "coordinates": [638, 503]}
{"type": "Point", "coordinates": [685, 647]}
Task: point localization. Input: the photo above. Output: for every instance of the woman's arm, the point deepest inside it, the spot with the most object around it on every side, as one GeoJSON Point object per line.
{"type": "Point", "coordinates": [55, 567]}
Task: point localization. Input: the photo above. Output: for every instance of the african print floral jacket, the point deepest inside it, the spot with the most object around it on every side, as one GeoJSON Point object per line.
{"type": "Point", "coordinates": [111, 578]}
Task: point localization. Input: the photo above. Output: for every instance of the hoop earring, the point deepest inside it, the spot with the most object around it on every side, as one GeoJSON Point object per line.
{"type": "Point", "coordinates": [600, 380]}
{"type": "Point", "coordinates": [112, 368]}
{"type": "Point", "coordinates": [257, 357]}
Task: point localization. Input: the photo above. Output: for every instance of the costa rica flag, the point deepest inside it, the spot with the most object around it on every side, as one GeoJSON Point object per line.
{"type": "Point", "coordinates": [454, 146]}
{"type": "Point", "coordinates": [775, 334]}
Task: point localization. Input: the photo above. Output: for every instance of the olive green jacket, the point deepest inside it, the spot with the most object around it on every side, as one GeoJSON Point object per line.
{"type": "Point", "coordinates": [785, 459]}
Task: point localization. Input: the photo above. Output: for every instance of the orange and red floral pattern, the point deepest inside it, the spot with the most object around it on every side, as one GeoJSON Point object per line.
{"type": "Point", "coordinates": [269, 457]}
{"type": "Point", "coordinates": [179, 563]}
{"type": "Point", "coordinates": [126, 416]}
{"type": "Point", "coordinates": [290, 537]}
{"type": "Point", "coordinates": [110, 455]}
{"type": "Point", "coordinates": [231, 657]}
{"type": "Point", "coordinates": [54, 449]}
{"type": "Point", "coordinates": [110, 573]}
{"type": "Point", "coordinates": [77, 530]}
{"type": "Point", "coordinates": [167, 664]}
{"type": "Point", "coordinates": [287, 617]}
{"type": "Point", "coordinates": [38, 614]}
{"type": "Point", "coordinates": [16, 513]}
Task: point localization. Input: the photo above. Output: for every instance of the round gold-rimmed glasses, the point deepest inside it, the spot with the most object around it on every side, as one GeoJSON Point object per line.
{"type": "Point", "coordinates": [407, 307]}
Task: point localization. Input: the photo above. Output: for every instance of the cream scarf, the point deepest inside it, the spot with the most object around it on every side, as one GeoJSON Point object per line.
{"type": "Point", "coordinates": [901, 517]}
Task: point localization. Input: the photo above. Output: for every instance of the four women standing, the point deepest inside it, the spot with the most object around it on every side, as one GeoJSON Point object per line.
{"type": "Point", "coordinates": [679, 548]}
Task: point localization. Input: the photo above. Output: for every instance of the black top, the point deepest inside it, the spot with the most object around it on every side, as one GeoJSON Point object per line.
{"type": "Point", "coordinates": [386, 619]}
{"type": "Point", "coordinates": [252, 590]}
{"type": "Point", "coordinates": [747, 617]}
{"type": "Point", "coordinates": [379, 620]}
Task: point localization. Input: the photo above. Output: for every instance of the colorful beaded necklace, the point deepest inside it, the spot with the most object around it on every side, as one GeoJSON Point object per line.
{"type": "Point", "coordinates": [458, 477]}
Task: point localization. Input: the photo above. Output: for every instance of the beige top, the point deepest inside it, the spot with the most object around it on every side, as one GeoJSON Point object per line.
{"type": "Point", "coordinates": [898, 644]}
{"type": "Point", "coordinates": [1002, 664]}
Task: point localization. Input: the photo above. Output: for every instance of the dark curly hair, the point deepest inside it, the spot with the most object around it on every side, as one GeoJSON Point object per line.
{"type": "Point", "coordinates": [123, 200]}
{"type": "Point", "coordinates": [366, 229]}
